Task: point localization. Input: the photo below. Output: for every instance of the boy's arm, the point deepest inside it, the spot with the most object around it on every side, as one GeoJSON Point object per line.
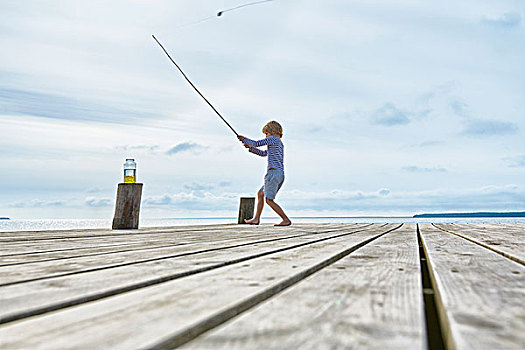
{"type": "Point", "coordinates": [252, 145]}
{"type": "Point", "coordinates": [258, 151]}
{"type": "Point", "coordinates": [263, 142]}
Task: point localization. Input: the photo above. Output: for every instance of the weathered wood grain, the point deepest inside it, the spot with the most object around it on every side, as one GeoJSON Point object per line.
{"type": "Point", "coordinates": [127, 206]}
{"type": "Point", "coordinates": [480, 294]}
{"type": "Point", "coordinates": [246, 208]}
{"type": "Point", "coordinates": [518, 226]}
{"type": "Point", "coordinates": [152, 242]}
{"type": "Point", "coordinates": [372, 299]}
{"type": "Point", "coordinates": [102, 234]}
{"type": "Point", "coordinates": [78, 288]}
{"type": "Point", "coordinates": [66, 241]}
{"type": "Point", "coordinates": [505, 241]}
{"type": "Point", "coordinates": [190, 236]}
{"type": "Point", "coordinates": [58, 238]}
{"type": "Point", "coordinates": [142, 318]}
{"type": "Point", "coordinates": [29, 236]}
{"type": "Point", "coordinates": [56, 268]}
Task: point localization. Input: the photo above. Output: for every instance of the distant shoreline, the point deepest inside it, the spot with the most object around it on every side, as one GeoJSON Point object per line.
{"type": "Point", "coordinates": [4, 218]}
{"type": "Point", "coordinates": [473, 215]}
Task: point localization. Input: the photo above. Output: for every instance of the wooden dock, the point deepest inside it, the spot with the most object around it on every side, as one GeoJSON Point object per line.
{"type": "Point", "coordinates": [322, 286]}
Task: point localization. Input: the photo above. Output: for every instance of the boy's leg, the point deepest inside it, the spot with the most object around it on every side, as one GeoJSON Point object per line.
{"type": "Point", "coordinates": [260, 205]}
{"type": "Point", "coordinates": [286, 220]}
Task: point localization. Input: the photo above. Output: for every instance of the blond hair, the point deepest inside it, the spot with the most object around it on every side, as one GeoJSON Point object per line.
{"type": "Point", "coordinates": [273, 128]}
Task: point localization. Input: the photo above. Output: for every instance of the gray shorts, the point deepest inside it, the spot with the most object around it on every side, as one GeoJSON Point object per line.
{"type": "Point", "coordinates": [272, 183]}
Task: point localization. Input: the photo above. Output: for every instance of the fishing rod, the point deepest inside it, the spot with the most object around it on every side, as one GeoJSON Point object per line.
{"type": "Point", "coordinates": [193, 86]}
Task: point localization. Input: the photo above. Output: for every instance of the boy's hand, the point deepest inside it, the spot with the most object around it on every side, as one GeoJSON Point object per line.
{"type": "Point", "coordinates": [245, 145]}
{"type": "Point", "coordinates": [240, 137]}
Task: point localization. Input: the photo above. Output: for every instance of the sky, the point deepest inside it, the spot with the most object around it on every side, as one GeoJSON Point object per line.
{"type": "Point", "coordinates": [388, 107]}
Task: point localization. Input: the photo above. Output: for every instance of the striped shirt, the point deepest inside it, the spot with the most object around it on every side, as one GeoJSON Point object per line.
{"type": "Point", "coordinates": [275, 151]}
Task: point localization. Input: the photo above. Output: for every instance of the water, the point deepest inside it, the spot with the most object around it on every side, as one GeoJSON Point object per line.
{"type": "Point", "coordinates": [71, 224]}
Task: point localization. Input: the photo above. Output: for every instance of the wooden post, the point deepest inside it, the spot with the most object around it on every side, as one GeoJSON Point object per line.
{"type": "Point", "coordinates": [127, 207]}
{"type": "Point", "coordinates": [246, 209]}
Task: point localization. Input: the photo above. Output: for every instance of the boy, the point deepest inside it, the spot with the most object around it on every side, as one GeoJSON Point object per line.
{"type": "Point", "coordinates": [275, 176]}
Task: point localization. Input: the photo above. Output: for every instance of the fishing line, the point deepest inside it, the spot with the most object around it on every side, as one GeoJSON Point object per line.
{"type": "Point", "coordinates": [193, 86]}
{"type": "Point", "coordinates": [195, 22]}
{"type": "Point", "coordinates": [219, 14]}
{"type": "Point", "coordinates": [238, 7]}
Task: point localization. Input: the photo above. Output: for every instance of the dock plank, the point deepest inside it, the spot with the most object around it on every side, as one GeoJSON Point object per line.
{"type": "Point", "coordinates": [509, 242]}
{"type": "Point", "coordinates": [371, 299]}
{"type": "Point", "coordinates": [21, 236]}
{"type": "Point", "coordinates": [480, 294]}
{"type": "Point", "coordinates": [78, 288]}
{"type": "Point", "coordinates": [84, 263]}
{"type": "Point", "coordinates": [66, 241]}
{"type": "Point", "coordinates": [144, 317]}
{"type": "Point", "coordinates": [57, 235]}
{"type": "Point", "coordinates": [152, 242]}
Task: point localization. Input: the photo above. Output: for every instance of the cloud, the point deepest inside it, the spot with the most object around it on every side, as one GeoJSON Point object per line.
{"type": "Point", "coordinates": [487, 127]}
{"type": "Point", "coordinates": [60, 203]}
{"type": "Point", "coordinates": [157, 200]}
{"type": "Point", "coordinates": [424, 113]}
{"type": "Point", "coordinates": [458, 107]}
{"type": "Point", "coordinates": [384, 192]}
{"type": "Point", "coordinates": [194, 200]}
{"type": "Point", "coordinates": [488, 198]}
{"type": "Point", "coordinates": [337, 196]}
{"type": "Point", "coordinates": [198, 187]}
{"type": "Point", "coordinates": [515, 162]}
{"type": "Point", "coordinates": [314, 129]}
{"type": "Point", "coordinates": [133, 148]}
{"type": "Point", "coordinates": [57, 106]}
{"type": "Point", "coordinates": [379, 202]}
{"type": "Point", "coordinates": [97, 202]}
{"type": "Point", "coordinates": [184, 146]}
{"type": "Point", "coordinates": [37, 203]}
{"type": "Point", "coordinates": [205, 187]}
{"type": "Point", "coordinates": [507, 20]}
{"type": "Point", "coordinates": [95, 189]}
{"type": "Point", "coordinates": [390, 115]}
{"type": "Point", "coordinates": [480, 127]}
{"type": "Point", "coordinates": [416, 169]}
{"type": "Point", "coordinates": [427, 144]}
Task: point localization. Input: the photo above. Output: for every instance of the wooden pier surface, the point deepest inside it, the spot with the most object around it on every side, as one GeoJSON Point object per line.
{"type": "Point", "coordinates": [308, 286]}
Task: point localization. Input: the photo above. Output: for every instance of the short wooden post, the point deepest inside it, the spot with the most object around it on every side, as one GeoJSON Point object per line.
{"type": "Point", "coordinates": [127, 207]}
{"type": "Point", "coordinates": [246, 209]}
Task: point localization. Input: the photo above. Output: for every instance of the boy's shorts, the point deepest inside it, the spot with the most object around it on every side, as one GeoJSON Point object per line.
{"type": "Point", "coordinates": [272, 183]}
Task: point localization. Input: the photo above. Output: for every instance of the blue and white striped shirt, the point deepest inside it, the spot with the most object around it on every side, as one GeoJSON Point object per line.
{"type": "Point", "coordinates": [275, 151]}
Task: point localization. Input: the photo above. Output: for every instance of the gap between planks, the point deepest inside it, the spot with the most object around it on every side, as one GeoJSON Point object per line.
{"type": "Point", "coordinates": [479, 295]}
